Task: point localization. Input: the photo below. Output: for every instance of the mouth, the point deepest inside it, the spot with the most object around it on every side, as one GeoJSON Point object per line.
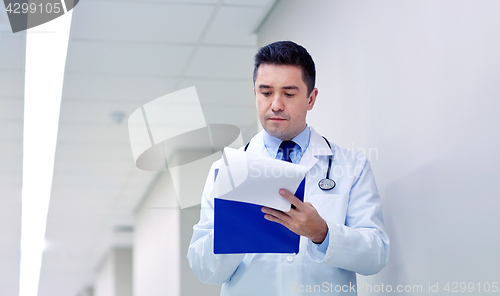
{"type": "Point", "coordinates": [276, 119]}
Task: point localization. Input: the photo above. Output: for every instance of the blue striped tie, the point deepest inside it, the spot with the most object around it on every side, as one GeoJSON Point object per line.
{"type": "Point", "coordinates": [286, 147]}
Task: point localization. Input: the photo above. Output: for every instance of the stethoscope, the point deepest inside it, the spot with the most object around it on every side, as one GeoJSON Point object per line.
{"type": "Point", "coordinates": [326, 183]}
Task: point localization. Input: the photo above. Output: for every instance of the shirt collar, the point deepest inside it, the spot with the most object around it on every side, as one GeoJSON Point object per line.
{"type": "Point", "coordinates": [272, 143]}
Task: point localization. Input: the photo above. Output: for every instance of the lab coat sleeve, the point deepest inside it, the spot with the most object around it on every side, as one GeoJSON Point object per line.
{"type": "Point", "coordinates": [210, 268]}
{"type": "Point", "coordinates": [318, 251]}
{"type": "Point", "coordinates": [361, 245]}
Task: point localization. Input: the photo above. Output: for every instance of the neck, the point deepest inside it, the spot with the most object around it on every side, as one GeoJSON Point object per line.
{"type": "Point", "coordinates": [296, 134]}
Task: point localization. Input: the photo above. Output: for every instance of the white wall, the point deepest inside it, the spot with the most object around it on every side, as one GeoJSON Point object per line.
{"type": "Point", "coordinates": [114, 275]}
{"type": "Point", "coordinates": [161, 239]}
{"type": "Point", "coordinates": [104, 283]}
{"type": "Point", "coordinates": [156, 242]}
{"type": "Point", "coordinates": [123, 272]}
{"type": "Point", "coordinates": [418, 82]}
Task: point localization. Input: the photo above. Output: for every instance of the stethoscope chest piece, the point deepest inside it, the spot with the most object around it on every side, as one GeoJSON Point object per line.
{"type": "Point", "coordinates": [326, 184]}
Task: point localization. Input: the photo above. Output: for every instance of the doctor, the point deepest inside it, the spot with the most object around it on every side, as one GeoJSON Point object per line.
{"type": "Point", "coordinates": [341, 228]}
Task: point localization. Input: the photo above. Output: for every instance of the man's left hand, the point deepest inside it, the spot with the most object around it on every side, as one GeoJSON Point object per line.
{"type": "Point", "coordinates": [302, 219]}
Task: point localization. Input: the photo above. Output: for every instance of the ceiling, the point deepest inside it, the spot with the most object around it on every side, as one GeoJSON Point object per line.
{"type": "Point", "coordinates": [121, 55]}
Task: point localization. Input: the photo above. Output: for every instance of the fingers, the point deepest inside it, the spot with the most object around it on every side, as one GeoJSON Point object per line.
{"type": "Point", "coordinates": [296, 203]}
{"type": "Point", "coordinates": [275, 215]}
{"type": "Point", "coordinates": [284, 218]}
{"type": "Point", "coordinates": [302, 219]}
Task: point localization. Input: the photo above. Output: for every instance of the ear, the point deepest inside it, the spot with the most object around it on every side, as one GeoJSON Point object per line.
{"type": "Point", "coordinates": [312, 99]}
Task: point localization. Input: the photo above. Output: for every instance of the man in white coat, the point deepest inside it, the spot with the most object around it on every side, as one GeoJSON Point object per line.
{"type": "Point", "coordinates": [341, 230]}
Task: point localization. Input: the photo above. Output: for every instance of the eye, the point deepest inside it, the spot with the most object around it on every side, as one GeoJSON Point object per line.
{"type": "Point", "coordinates": [289, 95]}
{"type": "Point", "coordinates": [266, 94]}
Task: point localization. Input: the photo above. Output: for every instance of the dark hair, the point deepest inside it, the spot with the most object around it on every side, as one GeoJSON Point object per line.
{"type": "Point", "coordinates": [287, 53]}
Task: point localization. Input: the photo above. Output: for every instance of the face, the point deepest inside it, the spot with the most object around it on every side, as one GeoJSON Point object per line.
{"type": "Point", "coordinates": [282, 100]}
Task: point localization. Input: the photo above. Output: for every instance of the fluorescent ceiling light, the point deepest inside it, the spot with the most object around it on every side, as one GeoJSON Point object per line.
{"type": "Point", "coordinates": [46, 49]}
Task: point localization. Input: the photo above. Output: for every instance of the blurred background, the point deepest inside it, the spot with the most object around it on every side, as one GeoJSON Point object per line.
{"type": "Point", "coordinates": [414, 83]}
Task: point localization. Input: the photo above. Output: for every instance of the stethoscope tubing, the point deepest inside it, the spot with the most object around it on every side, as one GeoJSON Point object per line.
{"type": "Point", "coordinates": [329, 160]}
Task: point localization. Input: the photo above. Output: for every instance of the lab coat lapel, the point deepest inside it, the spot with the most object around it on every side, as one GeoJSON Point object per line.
{"type": "Point", "coordinates": [257, 146]}
{"type": "Point", "coordinates": [308, 160]}
{"type": "Point", "coordinates": [317, 147]}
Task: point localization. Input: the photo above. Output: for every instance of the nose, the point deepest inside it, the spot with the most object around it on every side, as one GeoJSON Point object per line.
{"type": "Point", "coordinates": [277, 104]}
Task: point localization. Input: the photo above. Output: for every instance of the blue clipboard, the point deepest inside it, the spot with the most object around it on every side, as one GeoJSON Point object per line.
{"type": "Point", "coordinates": [240, 227]}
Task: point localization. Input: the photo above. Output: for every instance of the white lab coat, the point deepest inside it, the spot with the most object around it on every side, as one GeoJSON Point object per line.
{"type": "Point", "coordinates": [352, 211]}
